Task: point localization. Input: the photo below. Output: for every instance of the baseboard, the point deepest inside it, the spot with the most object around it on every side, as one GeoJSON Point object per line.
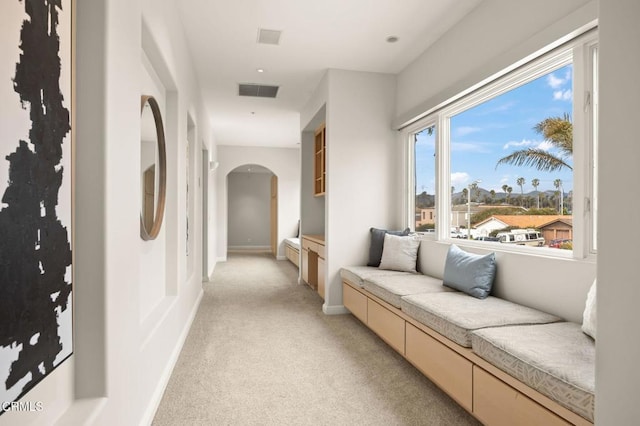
{"type": "Point", "coordinates": [156, 398]}
{"type": "Point", "coordinates": [220, 259]}
{"type": "Point", "coordinates": [334, 310]}
{"type": "Point", "coordinates": [249, 248]}
{"type": "Point", "coordinates": [281, 258]}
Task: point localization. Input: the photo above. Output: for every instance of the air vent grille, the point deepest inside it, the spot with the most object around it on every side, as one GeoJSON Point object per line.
{"type": "Point", "coordinates": [257, 90]}
{"type": "Point", "coordinates": [269, 36]}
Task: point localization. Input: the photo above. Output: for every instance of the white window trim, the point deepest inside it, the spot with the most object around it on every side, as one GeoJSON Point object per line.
{"type": "Point", "coordinates": [579, 50]}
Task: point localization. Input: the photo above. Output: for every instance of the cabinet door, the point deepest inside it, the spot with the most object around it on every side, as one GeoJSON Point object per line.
{"type": "Point", "coordinates": [305, 265]}
{"type": "Point", "coordinates": [321, 277]}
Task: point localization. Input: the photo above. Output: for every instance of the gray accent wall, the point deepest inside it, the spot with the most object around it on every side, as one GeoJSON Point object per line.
{"type": "Point", "coordinates": [249, 210]}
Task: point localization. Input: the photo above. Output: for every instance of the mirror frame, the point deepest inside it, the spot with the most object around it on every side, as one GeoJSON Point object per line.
{"type": "Point", "coordinates": [151, 234]}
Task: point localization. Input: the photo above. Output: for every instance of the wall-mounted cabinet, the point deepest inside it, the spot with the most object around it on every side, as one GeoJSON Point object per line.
{"type": "Point", "coordinates": [320, 169]}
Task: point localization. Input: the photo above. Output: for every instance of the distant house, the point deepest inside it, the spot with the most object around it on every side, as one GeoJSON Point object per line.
{"type": "Point", "coordinates": [425, 216]}
{"type": "Point", "coordinates": [560, 228]}
{"type": "Point", "coordinates": [496, 222]}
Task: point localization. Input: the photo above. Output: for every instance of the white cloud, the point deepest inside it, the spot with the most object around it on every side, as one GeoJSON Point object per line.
{"type": "Point", "coordinates": [563, 95]}
{"type": "Point", "coordinates": [555, 82]}
{"type": "Point", "coordinates": [459, 179]}
{"type": "Point", "coordinates": [545, 145]}
{"type": "Point", "coordinates": [522, 143]}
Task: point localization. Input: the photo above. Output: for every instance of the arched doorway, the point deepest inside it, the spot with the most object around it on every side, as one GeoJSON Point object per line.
{"type": "Point", "coordinates": [252, 212]}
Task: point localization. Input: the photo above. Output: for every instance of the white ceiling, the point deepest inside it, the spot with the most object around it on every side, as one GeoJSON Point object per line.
{"type": "Point", "coordinates": [316, 35]}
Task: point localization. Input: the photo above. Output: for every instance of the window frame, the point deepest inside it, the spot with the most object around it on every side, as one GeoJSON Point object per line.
{"type": "Point", "coordinates": [580, 51]}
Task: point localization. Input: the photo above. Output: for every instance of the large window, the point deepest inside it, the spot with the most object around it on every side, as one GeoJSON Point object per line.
{"type": "Point", "coordinates": [514, 163]}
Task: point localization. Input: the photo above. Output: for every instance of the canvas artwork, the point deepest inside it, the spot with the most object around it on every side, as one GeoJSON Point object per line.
{"type": "Point", "coordinates": [35, 183]}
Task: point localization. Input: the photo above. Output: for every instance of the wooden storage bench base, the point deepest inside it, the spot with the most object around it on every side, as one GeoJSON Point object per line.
{"type": "Point", "coordinates": [489, 394]}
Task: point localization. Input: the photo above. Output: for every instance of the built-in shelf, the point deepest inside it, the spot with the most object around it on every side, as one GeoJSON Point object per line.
{"type": "Point", "coordinates": [319, 169]}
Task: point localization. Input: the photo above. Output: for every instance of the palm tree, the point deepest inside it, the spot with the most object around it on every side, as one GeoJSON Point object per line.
{"type": "Point", "coordinates": [493, 196]}
{"type": "Point", "coordinates": [509, 190]}
{"type": "Point", "coordinates": [465, 193]}
{"type": "Point", "coordinates": [559, 132]}
{"type": "Point", "coordinates": [521, 181]}
{"type": "Point", "coordinates": [474, 188]}
{"type": "Point", "coordinates": [535, 183]}
{"type": "Point", "coordinates": [504, 188]}
{"type": "Point", "coordinates": [558, 184]}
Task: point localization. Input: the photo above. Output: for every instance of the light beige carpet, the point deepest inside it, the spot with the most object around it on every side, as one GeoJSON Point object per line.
{"type": "Point", "coordinates": [261, 352]}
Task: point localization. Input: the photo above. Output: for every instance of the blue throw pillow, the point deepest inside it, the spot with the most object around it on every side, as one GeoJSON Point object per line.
{"type": "Point", "coordinates": [470, 273]}
{"type": "Point", "coordinates": [377, 244]}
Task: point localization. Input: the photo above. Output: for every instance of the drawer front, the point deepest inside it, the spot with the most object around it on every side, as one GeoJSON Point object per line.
{"type": "Point", "coordinates": [450, 371]}
{"type": "Point", "coordinates": [386, 324]}
{"type": "Point", "coordinates": [355, 301]}
{"type": "Point", "coordinates": [496, 404]}
{"type": "Point", "coordinates": [309, 245]}
{"type": "Point", "coordinates": [320, 251]}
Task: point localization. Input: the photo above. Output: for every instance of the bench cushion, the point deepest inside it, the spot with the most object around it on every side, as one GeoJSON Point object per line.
{"type": "Point", "coordinates": [455, 315]}
{"type": "Point", "coordinates": [357, 274]}
{"type": "Point", "coordinates": [391, 288]}
{"type": "Point", "coordinates": [293, 242]}
{"type": "Point", "coordinates": [557, 360]}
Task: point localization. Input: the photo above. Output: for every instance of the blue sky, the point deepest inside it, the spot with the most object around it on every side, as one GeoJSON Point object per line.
{"type": "Point", "coordinates": [483, 134]}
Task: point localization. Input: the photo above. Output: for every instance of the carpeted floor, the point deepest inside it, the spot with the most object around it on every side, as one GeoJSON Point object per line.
{"type": "Point", "coordinates": [261, 352]}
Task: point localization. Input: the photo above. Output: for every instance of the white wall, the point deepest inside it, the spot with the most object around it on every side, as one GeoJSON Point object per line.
{"type": "Point", "coordinates": [285, 164]}
{"type": "Point", "coordinates": [618, 349]}
{"type": "Point", "coordinates": [494, 35]}
{"type": "Point", "coordinates": [249, 196]}
{"type": "Point", "coordinates": [361, 154]}
{"type": "Point", "coordinates": [120, 364]}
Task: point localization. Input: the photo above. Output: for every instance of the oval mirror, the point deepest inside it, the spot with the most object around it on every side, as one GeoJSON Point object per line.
{"type": "Point", "coordinates": [153, 162]}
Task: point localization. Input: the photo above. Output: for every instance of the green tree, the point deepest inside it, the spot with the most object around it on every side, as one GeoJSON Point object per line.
{"type": "Point", "coordinates": [556, 130]}
{"type": "Point", "coordinates": [493, 196]}
{"type": "Point", "coordinates": [521, 181]}
{"type": "Point", "coordinates": [535, 183]}
{"type": "Point", "coordinates": [474, 188]}
{"type": "Point", "coordinates": [504, 188]}
{"type": "Point", "coordinates": [558, 184]}
{"type": "Point", "coordinates": [509, 191]}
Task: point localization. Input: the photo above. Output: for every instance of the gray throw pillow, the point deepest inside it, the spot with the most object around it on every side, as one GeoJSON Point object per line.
{"type": "Point", "coordinates": [469, 273]}
{"type": "Point", "coordinates": [377, 244]}
{"type": "Point", "coordinates": [399, 253]}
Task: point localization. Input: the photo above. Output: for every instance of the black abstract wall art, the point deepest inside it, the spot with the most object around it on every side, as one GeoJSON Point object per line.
{"type": "Point", "coordinates": [35, 183]}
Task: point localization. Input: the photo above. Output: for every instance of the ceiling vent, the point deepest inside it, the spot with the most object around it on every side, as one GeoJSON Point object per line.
{"type": "Point", "coordinates": [269, 36]}
{"type": "Point", "coordinates": [257, 90]}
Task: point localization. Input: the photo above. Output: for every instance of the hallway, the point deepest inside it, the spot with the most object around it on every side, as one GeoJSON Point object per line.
{"type": "Point", "coordinates": [261, 351]}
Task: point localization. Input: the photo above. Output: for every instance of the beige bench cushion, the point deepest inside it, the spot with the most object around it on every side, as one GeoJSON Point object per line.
{"type": "Point", "coordinates": [357, 274]}
{"type": "Point", "coordinates": [557, 360]}
{"type": "Point", "coordinates": [456, 315]}
{"type": "Point", "coordinates": [391, 288]}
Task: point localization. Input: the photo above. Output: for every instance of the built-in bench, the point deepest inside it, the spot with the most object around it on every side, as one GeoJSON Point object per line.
{"type": "Point", "coordinates": [292, 250]}
{"type": "Point", "coordinates": [503, 362]}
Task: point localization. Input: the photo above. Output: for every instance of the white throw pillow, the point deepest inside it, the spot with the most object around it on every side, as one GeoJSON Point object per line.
{"type": "Point", "coordinates": [399, 253]}
{"type": "Point", "coordinates": [589, 318]}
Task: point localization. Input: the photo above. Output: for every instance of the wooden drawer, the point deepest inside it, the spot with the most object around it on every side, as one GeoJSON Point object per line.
{"type": "Point", "coordinates": [386, 324]}
{"type": "Point", "coordinates": [320, 250]}
{"type": "Point", "coordinates": [495, 404]}
{"type": "Point", "coordinates": [309, 245]}
{"type": "Point", "coordinates": [293, 255]}
{"type": "Point", "coordinates": [449, 370]}
{"type": "Point", "coordinates": [354, 301]}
